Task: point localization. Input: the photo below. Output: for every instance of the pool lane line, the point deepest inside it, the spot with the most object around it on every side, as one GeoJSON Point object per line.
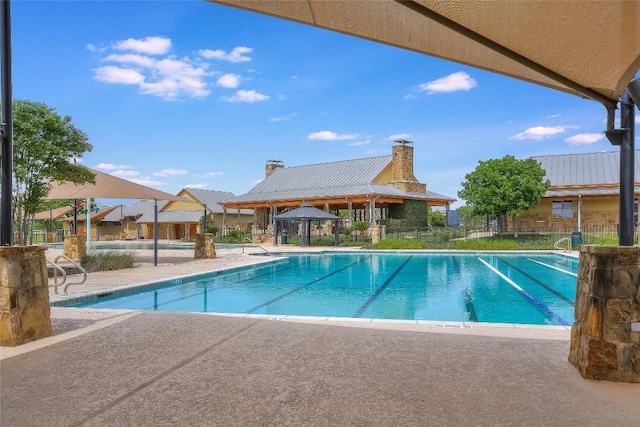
{"type": "Point", "coordinates": [155, 305]}
{"type": "Point", "coordinates": [533, 279]}
{"type": "Point", "coordinates": [294, 290]}
{"type": "Point", "coordinates": [530, 297]}
{"type": "Point", "coordinates": [375, 295]}
{"type": "Point", "coordinates": [561, 264]}
{"type": "Point", "coordinates": [468, 303]}
{"type": "Point", "coordinates": [551, 266]}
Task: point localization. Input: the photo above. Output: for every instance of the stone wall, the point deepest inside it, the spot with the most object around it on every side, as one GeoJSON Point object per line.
{"type": "Point", "coordinates": [24, 295]}
{"type": "Point", "coordinates": [75, 246]}
{"type": "Point", "coordinates": [205, 246]}
{"type": "Point", "coordinates": [603, 346]}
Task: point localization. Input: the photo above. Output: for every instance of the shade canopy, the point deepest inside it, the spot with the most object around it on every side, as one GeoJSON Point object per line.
{"type": "Point", "coordinates": [107, 187]}
{"type": "Point", "coordinates": [306, 211]}
{"type": "Point", "coordinates": [586, 48]}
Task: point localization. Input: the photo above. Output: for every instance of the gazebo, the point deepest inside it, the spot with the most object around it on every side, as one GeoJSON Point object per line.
{"type": "Point", "coordinates": [305, 214]}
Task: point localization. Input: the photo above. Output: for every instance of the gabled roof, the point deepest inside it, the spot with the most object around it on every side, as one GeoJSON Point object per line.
{"type": "Point", "coordinates": [212, 199]}
{"type": "Point", "coordinates": [174, 217]}
{"type": "Point", "coordinates": [328, 180]}
{"type": "Point", "coordinates": [585, 169]}
{"type": "Point", "coordinates": [141, 207]}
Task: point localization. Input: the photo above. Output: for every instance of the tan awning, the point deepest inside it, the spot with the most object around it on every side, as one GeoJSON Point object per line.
{"type": "Point", "coordinates": [586, 48]}
{"type": "Point", "coordinates": [53, 214]}
{"type": "Point", "coordinates": [108, 187]}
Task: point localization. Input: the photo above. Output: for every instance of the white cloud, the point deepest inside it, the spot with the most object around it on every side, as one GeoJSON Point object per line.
{"type": "Point", "coordinates": [209, 175]}
{"type": "Point", "coordinates": [410, 97]}
{"type": "Point", "coordinates": [398, 136]}
{"type": "Point", "coordinates": [249, 96]}
{"type": "Point", "coordinates": [111, 166]}
{"type": "Point", "coordinates": [538, 133]}
{"type": "Point", "coordinates": [236, 55]}
{"type": "Point", "coordinates": [170, 172]}
{"type": "Point", "coordinates": [283, 118]}
{"type": "Point", "coordinates": [357, 143]}
{"type": "Point", "coordinates": [196, 186]}
{"type": "Point", "coordinates": [160, 75]}
{"type": "Point", "coordinates": [229, 80]}
{"type": "Point", "coordinates": [585, 138]}
{"type": "Point", "coordinates": [148, 45]}
{"type": "Point", "coordinates": [451, 83]}
{"type": "Point", "coordinates": [638, 118]}
{"type": "Point", "coordinates": [112, 74]}
{"type": "Point", "coordinates": [328, 135]}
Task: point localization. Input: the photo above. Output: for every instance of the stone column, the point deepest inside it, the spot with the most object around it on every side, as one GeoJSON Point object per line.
{"type": "Point", "coordinates": [375, 233]}
{"type": "Point", "coordinates": [24, 295]}
{"type": "Point", "coordinates": [75, 246]}
{"type": "Point", "coordinates": [603, 344]}
{"type": "Point", "coordinates": [205, 246]}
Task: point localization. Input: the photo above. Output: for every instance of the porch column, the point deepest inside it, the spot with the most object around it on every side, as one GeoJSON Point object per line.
{"type": "Point", "coordinates": [238, 217]}
{"type": "Point", "coordinates": [350, 210]}
{"type": "Point", "coordinates": [605, 337]}
{"type": "Point", "coordinates": [224, 217]}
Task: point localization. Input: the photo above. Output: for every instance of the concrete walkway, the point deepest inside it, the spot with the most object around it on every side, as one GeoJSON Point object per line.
{"type": "Point", "coordinates": [116, 367]}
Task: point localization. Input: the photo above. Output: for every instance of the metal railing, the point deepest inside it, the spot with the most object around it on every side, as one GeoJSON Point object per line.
{"type": "Point", "coordinates": [58, 268]}
{"type": "Point", "coordinates": [254, 243]}
{"type": "Point", "coordinates": [559, 242]}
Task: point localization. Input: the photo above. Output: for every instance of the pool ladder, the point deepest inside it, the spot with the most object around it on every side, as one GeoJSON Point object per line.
{"type": "Point", "coordinates": [559, 242]}
{"type": "Point", "coordinates": [251, 240]}
{"type": "Point", "coordinates": [57, 268]}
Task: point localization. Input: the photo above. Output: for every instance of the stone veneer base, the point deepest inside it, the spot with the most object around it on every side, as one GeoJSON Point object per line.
{"type": "Point", "coordinates": [603, 346]}
{"type": "Point", "coordinates": [24, 295]}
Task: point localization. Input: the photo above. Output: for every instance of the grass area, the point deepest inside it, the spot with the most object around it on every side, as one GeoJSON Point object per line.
{"type": "Point", "coordinates": [107, 260]}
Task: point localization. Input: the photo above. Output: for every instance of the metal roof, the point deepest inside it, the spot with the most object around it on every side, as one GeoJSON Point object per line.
{"type": "Point", "coordinates": [328, 180]}
{"type": "Point", "coordinates": [212, 199]}
{"type": "Point", "coordinates": [585, 192]}
{"type": "Point", "coordinates": [307, 211]}
{"type": "Point", "coordinates": [172, 217]}
{"type": "Point", "coordinates": [585, 169]}
{"type": "Point", "coordinates": [141, 207]}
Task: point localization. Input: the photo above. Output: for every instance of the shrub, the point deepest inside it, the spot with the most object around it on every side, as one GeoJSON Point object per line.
{"type": "Point", "coordinates": [107, 260]}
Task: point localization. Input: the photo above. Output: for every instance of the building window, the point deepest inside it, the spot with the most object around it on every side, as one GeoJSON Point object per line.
{"type": "Point", "coordinates": [562, 209]}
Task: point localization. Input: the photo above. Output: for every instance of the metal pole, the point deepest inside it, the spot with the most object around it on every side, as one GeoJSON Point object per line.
{"type": "Point", "coordinates": [6, 128]}
{"type": "Point", "coordinates": [627, 164]}
{"type": "Point", "coordinates": [155, 232]}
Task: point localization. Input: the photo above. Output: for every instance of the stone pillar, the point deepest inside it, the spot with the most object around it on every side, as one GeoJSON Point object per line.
{"type": "Point", "coordinates": [51, 237]}
{"type": "Point", "coordinates": [75, 246]}
{"type": "Point", "coordinates": [378, 233]}
{"type": "Point", "coordinates": [205, 247]}
{"type": "Point", "coordinates": [24, 295]}
{"type": "Point", "coordinates": [603, 345]}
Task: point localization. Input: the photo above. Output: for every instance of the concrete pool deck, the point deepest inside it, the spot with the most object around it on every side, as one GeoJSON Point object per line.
{"type": "Point", "coordinates": [117, 367]}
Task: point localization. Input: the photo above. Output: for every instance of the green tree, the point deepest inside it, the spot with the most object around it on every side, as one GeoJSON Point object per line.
{"type": "Point", "coordinates": [436, 218]}
{"type": "Point", "coordinates": [44, 143]}
{"type": "Point", "coordinates": [506, 186]}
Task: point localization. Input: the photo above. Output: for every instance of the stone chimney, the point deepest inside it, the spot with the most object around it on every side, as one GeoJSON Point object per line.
{"type": "Point", "coordinates": [271, 166]}
{"type": "Point", "coordinates": [402, 168]}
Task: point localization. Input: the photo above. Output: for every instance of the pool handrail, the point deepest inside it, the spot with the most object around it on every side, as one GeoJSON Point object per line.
{"type": "Point", "coordinates": [251, 240]}
{"type": "Point", "coordinates": [564, 239]}
{"type": "Point", "coordinates": [56, 269]}
{"type": "Point", "coordinates": [77, 266]}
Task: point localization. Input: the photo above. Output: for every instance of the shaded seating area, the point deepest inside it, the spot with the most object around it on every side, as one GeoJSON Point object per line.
{"type": "Point", "coordinates": [305, 214]}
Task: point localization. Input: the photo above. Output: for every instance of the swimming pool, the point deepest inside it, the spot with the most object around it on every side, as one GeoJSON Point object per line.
{"type": "Point", "coordinates": [479, 287]}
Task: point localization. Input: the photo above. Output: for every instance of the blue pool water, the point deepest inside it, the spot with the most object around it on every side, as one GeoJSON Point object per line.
{"type": "Point", "coordinates": [481, 287]}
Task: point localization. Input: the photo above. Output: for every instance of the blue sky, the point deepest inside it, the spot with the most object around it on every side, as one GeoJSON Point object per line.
{"type": "Point", "coordinates": [193, 94]}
